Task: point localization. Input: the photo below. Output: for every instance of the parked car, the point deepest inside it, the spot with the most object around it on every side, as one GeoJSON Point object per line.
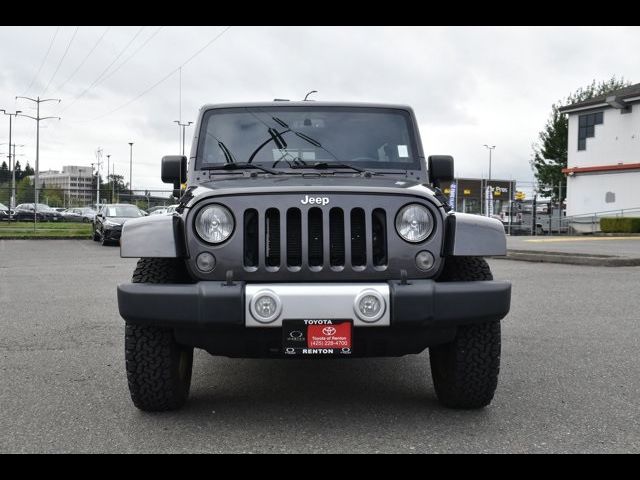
{"type": "Point", "coordinates": [79, 214]}
{"type": "Point", "coordinates": [158, 211]}
{"type": "Point", "coordinates": [43, 213]}
{"type": "Point", "coordinates": [107, 225]}
{"type": "Point", "coordinates": [5, 212]}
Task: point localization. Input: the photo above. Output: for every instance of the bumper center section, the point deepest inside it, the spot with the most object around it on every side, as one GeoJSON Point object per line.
{"type": "Point", "coordinates": [366, 304]}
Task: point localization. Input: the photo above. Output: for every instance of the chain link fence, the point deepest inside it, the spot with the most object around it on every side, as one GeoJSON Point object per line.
{"type": "Point", "coordinates": [57, 210]}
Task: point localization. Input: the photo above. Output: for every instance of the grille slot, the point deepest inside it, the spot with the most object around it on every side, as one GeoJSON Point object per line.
{"type": "Point", "coordinates": [336, 237]}
{"type": "Point", "coordinates": [358, 238]}
{"type": "Point", "coordinates": [315, 237]}
{"type": "Point", "coordinates": [294, 238]}
{"type": "Point", "coordinates": [379, 237]}
{"type": "Point", "coordinates": [272, 234]}
{"type": "Point", "coordinates": [251, 238]}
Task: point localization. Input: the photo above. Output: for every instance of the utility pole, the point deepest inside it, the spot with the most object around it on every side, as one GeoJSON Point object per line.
{"type": "Point", "coordinates": [12, 201]}
{"type": "Point", "coordinates": [130, 171]}
{"type": "Point", "coordinates": [108, 180]}
{"type": "Point", "coordinates": [37, 118]}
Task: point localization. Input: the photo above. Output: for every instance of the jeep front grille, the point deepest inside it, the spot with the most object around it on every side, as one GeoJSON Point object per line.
{"type": "Point", "coordinates": [315, 239]}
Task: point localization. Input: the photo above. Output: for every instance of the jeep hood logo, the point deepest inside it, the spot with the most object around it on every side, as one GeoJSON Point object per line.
{"type": "Point", "coordinates": [314, 200]}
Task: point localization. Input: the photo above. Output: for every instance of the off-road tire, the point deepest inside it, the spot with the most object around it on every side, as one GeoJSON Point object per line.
{"type": "Point", "coordinates": [465, 371]}
{"type": "Point", "coordinates": [158, 368]}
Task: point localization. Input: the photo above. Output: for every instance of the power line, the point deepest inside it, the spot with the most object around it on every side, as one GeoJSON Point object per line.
{"type": "Point", "coordinates": [104, 71]}
{"type": "Point", "coordinates": [46, 55]}
{"type": "Point", "coordinates": [95, 45]}
{"type": "Point", "coordinates": [132, 55]}
{"type": "Point", "coordinates": [163, 79]}
{"type": "Point", "coordinates": [61, 59]}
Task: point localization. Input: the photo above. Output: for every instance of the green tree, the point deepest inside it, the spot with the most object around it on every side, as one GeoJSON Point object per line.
{"type": "Point", "coordinates": [24, 191]}
{"type": "Point", "coordinates": [550, 151]}
{"type": "Point", "coordinates": [18, 169]}
{"type": "Point", "coordinates": [54, 197]}
{"type": "Point", "coordinates": [28, 171]}
{"type": "Point", "coordinates": [5, 174]}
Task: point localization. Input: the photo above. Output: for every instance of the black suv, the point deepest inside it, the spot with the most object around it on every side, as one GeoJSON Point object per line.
{"type": "Point", "coordinates": [108, 222]}
{"type": "Point", "coordinates": [311, 229]}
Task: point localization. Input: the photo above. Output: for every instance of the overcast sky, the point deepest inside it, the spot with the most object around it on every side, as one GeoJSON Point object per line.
{"type": "Point", "coordinates": [468, 86]}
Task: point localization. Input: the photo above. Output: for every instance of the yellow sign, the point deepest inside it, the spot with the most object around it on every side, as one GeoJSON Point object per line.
{"type": "Point", "coordinates": [447, 190]}
{"type": "Point", "coordinates": [519, 196]}
{"type": "Point", "coordinates": [467, 191]}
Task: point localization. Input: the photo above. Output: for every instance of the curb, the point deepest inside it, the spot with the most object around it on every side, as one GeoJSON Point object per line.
{"type": "Point", "coordinates": [571, 258]}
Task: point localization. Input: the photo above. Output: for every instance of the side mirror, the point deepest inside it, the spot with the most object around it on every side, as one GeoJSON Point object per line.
{"type": "Point", "coordinates": [174, 169]}
{"type": "Point", "coordinates": [440, 169]}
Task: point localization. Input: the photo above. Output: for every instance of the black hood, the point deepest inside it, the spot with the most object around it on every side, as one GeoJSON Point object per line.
{"type": "Point", "coordinates": [312, 180]}
{"type": "Point", "coordinates": [118, 220]}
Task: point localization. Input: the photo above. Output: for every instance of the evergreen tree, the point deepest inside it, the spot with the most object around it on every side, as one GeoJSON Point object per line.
{"type": "Point", "coordinates": [18, 169]}
{"type": "Point", "coordinates": [550, 152]}
{"type": "Point", "coordinates": [5, 174]}
{"type": "Point", "coordinates": [28, 171]}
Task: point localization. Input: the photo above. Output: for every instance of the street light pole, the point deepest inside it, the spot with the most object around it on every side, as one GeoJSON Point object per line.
{"type": "Point", "coordinates": [12, 201]}
{"type": "Point", "coordinates": [37, 118]}
{"type": "Point", "coordinates": [490, 148]}
{"type": "Point", "coordinates": [108, 181]}
{"type": "Point", "coordinates": [184, 126]}
{"type": "Point", "coordinates": [130, 171]}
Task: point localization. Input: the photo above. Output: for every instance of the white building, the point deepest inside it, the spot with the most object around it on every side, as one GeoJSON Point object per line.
{"type": "Point", "coordinates": [603, 156]}
{"type": "Point", "coordinates": [75, 182]}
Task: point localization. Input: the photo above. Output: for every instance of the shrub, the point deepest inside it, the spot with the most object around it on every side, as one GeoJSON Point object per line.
{"type": "Point", "coordinates": [620, 225]}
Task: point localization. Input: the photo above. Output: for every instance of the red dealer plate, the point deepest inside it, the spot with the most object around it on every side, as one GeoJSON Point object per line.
{"type": "Point", "coordinates": [317, 337]}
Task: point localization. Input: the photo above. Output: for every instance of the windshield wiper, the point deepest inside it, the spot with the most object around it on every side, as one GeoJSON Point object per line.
{"type": "Point", "coordinates": [242, 166]}
{"type": "Point", "coordinates": [328, 165]}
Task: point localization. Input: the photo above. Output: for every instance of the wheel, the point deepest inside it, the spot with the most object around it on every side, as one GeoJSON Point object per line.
{"type": "Point", "coordinates": [158, 368]}
{"type": "Point", "coordinates": [465, 371]}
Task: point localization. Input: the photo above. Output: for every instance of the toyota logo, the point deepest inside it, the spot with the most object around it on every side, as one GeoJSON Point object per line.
{"type": "Point", "coordinates": [328, 331]}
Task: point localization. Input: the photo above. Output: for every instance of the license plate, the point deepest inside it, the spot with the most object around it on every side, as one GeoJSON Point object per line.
{"type": "Point", "coordinates": [317, 337]}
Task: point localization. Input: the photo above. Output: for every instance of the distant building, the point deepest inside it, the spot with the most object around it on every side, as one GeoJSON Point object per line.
{"type": "Point", "coordinates": [76, 183]}
{"type": "Point", "coordinates": [603, 156]}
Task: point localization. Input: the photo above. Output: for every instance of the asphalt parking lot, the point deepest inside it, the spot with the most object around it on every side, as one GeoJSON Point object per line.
{"type": "Point", "coordinates": [569, 380]}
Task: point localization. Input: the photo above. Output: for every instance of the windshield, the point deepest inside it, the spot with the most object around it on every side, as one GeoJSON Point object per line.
{"type": "Point", "coordinates": [365, 137]}
{"type": "Point", "coordinates": [122, 211]}
{"type": "Point", "coordinates": [3, 206]}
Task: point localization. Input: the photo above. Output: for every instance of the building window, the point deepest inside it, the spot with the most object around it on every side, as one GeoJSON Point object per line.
{"type": "Point", "coordinates": [586, 127]}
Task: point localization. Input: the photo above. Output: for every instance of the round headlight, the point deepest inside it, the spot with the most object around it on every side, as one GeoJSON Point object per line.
{"type": "Point", "coordinates": [214, 223]}
{"type": "Point", "coordinates": [414, 223]}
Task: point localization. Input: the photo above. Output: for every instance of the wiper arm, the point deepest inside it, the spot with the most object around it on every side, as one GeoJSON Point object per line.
{"type": "Point", "coordinates": [242, 166]}
{"type": "Point", "coordinates": [327, 165]}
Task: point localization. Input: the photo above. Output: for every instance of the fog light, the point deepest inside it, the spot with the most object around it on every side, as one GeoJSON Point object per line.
{"type": "Point", "coordinates": [206, 262]}
{"type": "Point", "coordinates": [424, 260]}
{"type": "Point", "coordinates": [369, 306]}
{"type": "Point", "coordinates": [265, 306]}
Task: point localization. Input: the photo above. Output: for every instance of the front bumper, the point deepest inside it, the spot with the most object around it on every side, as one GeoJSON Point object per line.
{"type": "Point", "coordinates": [112, 233]}
{"type": "Point", "coordinates": [216, 305]}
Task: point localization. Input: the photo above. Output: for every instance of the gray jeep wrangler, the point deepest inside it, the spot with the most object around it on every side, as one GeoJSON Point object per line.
{"type": "Point", "coordinates": [311, 230]}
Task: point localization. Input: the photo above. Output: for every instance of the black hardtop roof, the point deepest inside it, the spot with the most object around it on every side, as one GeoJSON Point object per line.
{"type": "Point", "coordinates": [307, 104]}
